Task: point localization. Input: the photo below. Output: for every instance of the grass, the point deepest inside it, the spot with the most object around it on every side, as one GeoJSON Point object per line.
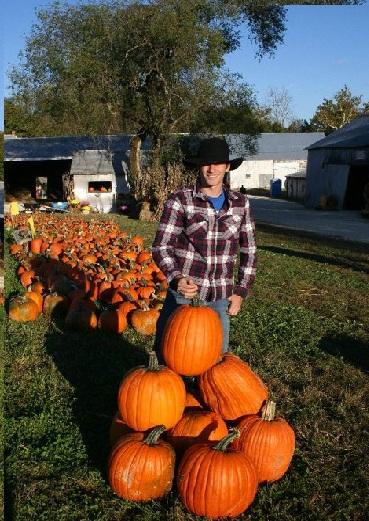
{"type": "Point", "coordinates": [305, 331]}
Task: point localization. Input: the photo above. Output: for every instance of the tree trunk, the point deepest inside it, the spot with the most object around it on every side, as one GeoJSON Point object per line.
{"type": "Point", "coordinates": [135, 166]}
{"type": "Point", "coordinates": [68, 186]}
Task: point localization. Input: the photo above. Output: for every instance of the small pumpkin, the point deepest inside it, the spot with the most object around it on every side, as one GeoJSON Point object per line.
{"type": "Point", "coordinates": [215, 481]}
{"type": "Point", "coordinates": [36, 246]}
{"type": "Point", "coordinates": [55, 305]}
{"type": "Point", "coordinates": [23, 309]}
{"type": "Point", "coordinates": [112, 320]}
{"type": "Point", "coordinates": [150, 396]}
{"type": "Point", "coordinates": [144, 320]}
{"type": "Point", "coordinates": [141, 467]}
{"type": "Point", "coordinates": [192, 339]}
{"type": "Point", "coordinates": [268, 441]}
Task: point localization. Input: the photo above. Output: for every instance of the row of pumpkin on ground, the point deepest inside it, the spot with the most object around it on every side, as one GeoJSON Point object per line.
{"type": "Point", "coordinates": [98, 277]}
{"type": "Point", "coordinates": [218, 471]}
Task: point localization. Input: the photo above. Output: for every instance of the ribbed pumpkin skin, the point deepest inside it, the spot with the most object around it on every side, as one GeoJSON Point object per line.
{"type": "Point", "coordinates": [196, 427]}
{"type": "Point", "coordinates": [192, 340]}
{"type": "Point", "coordinates": [216, 484]}
{"type": "Point", "coordinates": [269, 444]}
{"type": "Point", "coordinates": [147, 398]}
{"type": "Point", "coordinates": [232, 389]}
{"type": "Point", "coordinates": [141, 472]}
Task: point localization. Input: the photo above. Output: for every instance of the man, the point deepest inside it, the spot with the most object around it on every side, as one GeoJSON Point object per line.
{"type": "Point", "coordinates": [198, 238]}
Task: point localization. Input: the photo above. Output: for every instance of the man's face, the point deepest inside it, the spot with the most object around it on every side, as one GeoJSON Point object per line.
{"type": "Point", "coordinates": [212, 175]}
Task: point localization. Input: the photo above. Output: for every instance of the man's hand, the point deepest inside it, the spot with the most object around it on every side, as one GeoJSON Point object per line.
{"type": "Point", "coordinates": [187, 287]}
{"type": "Point", "coordinates": [235, 305]}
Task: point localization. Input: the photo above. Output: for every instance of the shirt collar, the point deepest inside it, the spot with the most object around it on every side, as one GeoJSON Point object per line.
{"type": "Point", "coordinates": [230, 195]}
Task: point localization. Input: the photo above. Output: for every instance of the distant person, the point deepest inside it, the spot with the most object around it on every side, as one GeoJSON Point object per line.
{"type": "Point", "coordinates": [242, 190]}
{"type": "Point", "coordinates": [200, 233]}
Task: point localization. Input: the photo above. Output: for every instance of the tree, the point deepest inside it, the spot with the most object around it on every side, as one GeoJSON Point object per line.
{"type": "Point", "coordinates": [300, 125]}
{"type": "Point", "coordinates": [278, 106]}
{"type": "Point", "coordinates": [150, 68]}
{"type": "Point", "coordinates": [334, 113]}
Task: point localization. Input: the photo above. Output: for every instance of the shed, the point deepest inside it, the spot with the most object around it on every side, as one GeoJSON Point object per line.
{"type": "Point", "coordinates": [338, 167]}
{"type": "Point", "coordinates": [277, 156]}
{"type": "Point", "coordinates": [44, 166]}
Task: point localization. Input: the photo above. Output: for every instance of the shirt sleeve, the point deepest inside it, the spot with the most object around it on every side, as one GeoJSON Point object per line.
{"type": "Point", "coordinates": [247, 267]}
{"type": "Point", "coordinates": [163, 248]}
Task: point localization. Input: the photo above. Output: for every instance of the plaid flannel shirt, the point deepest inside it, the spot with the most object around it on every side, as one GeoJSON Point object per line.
{"type": "Point", "coordinates": [195, 240]}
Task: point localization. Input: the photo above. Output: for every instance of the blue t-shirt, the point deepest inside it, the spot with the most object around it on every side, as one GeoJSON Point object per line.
{"type": "Point", "coordinates": [217, 202]}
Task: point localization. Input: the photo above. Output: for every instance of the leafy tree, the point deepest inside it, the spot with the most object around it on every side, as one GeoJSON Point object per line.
{"type": "Point", "coordinates": [334, 113]}
{"type": "Point", "coordinates": [300, 125]}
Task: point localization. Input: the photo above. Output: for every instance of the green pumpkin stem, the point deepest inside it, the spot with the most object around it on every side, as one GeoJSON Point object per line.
{"type": "Point", "coordinates": [268, 411]}
{"type": "Point", "coordinates": [196, 302]}
{"type": "Point", "coordinates": [154, 435]}
{"type": "Point", "coordinates": [223, 444]}
{"type": "Point", "coordinates": [153, 361]}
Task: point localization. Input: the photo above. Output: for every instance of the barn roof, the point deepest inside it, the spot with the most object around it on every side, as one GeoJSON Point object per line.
{"type": "Point", "coordinates": [277, 146]}
{"type": "Point", "coordinates": [353, 135]}
{"type": "Point", "coordinates": [61, 147]}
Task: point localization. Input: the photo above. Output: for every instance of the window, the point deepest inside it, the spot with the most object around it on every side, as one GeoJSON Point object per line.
{"type": "Point", "coordinates": [99, 186]}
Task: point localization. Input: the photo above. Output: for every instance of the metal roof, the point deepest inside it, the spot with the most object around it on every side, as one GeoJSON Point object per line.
{"type": "Point", "coordinates": [278, 146]}
{"type": "Point", "coordinates": [62, 147]}
{"type": "Point", "coordinates": [353, 135]}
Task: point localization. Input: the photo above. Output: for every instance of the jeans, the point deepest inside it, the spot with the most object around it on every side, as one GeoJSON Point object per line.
{"type": "Point", "coordinates": [173, 301]}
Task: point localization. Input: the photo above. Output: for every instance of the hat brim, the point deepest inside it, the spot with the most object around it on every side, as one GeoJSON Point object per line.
{"type": "Point", "coordinates": [234, 163]}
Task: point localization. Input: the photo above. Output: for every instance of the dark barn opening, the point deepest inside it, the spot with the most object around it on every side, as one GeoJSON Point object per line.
{"type": "Point", "coordinates": [357, 179]}
{"type": "Point", "coordinates": [21, 178]}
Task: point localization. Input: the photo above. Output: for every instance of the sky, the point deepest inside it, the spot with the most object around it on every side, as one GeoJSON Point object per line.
{"type": "Point", "coordinates": [324, 48]}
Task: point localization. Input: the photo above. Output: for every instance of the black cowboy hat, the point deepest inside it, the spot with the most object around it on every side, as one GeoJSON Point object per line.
{"type": "Point", "coordinates": [214, 150]}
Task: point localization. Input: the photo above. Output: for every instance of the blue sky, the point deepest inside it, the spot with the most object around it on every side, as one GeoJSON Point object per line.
{"type": "Point", "coordinates": [325, 47]}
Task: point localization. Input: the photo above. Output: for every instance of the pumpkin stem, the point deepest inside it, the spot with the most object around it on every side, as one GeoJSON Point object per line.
{"type": "Point", "coordinates": [222, 445]}
{"type": "Point", "coordinates": [196, 302]}
{"type": "Point", "coordinates": [268, 411]}
{"type": "Point", "coordinates": [153, 361]}
{"type": "Point", "coordinates": [154, 435]}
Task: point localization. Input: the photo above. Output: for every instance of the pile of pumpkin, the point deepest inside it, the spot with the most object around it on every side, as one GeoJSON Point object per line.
{"type": "Point", "coordinates": [216, 444]}
{"type": "Point", "coordinates": [89, 272]}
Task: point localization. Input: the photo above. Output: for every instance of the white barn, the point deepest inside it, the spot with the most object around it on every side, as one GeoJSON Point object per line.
{"type": "Point", "coordinates": [277, 156]}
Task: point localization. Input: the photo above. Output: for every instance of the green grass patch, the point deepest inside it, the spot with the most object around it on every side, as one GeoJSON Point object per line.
{"type": "Point", "coordinates": [304, 330]}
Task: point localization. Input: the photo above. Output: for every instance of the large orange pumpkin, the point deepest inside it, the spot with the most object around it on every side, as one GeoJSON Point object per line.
{"type": "Point", "coordinates": [268, 441]}
{"type": "Point", "coordinates": [232, 389]}
{"type": "Point", "coordinates": [215, 481]}
{"type": "Point", "coordinates": [192, 339]}
{"type": "Point", "coordinates": [150, 396]}
{"type": "Point", "coordinates": [196, 427]}
{"type": "Point", "coordinates": [141, 467]}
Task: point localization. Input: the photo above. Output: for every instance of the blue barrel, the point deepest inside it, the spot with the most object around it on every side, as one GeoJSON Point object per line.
{"type": "Point", "coordinates": [275, 187]}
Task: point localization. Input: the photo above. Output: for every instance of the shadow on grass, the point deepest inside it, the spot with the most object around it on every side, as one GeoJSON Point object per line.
{"type": "Point", "coordinates": [94, 364]}
{"type": "Point", "coordinates": [349, 349]}
{"type": "Point", "coordinates": [340, 261]}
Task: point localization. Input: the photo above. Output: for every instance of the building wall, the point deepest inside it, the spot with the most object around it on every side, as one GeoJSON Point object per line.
{"type": "Point", "coordinates": [324, 179]}
{"type": "Point", "coordinates": [258, 174]}
{"type": "Point", "coordinates": [104, 202]}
